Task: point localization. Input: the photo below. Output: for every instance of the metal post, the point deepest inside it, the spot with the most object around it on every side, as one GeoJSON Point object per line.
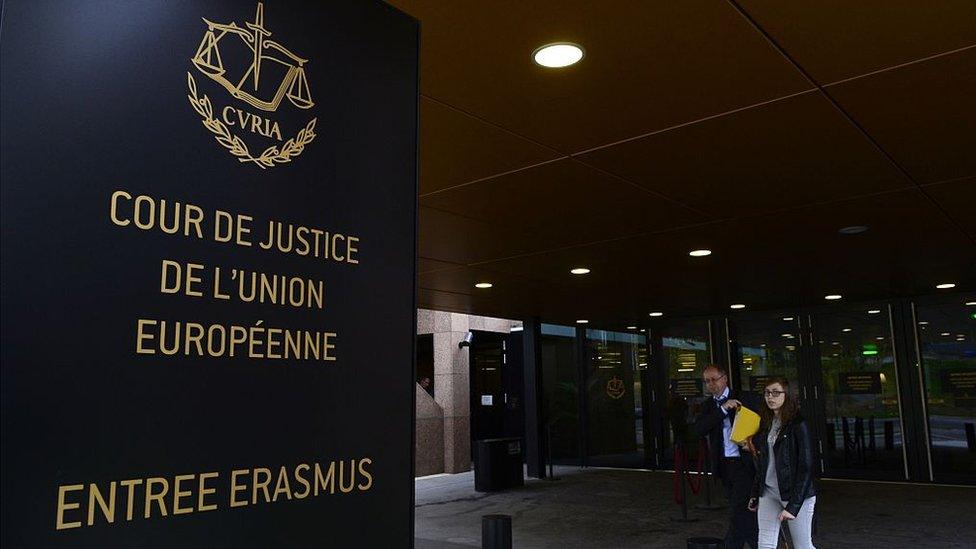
{"type": "Point", "coordinates": [496, 532]}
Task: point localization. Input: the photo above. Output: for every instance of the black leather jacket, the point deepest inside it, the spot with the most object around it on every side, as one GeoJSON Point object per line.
{"type": "Point", "coordinates": [794, 463]}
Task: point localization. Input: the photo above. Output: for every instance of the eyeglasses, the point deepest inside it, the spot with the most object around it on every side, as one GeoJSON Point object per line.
{"type": "Point", "coordinates": [711, 380]}
{"type": "Point", "coordinates": [774, 394]}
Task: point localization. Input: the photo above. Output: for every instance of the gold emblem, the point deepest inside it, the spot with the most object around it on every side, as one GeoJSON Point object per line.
{"type": "Point", "coordinates": [615, 388]}
{"type": "Point", "coordinates": [270, 62]}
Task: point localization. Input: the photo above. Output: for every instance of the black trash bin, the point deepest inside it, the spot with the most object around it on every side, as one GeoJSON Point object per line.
{"type": "Point", "coordinates": [498, 464]}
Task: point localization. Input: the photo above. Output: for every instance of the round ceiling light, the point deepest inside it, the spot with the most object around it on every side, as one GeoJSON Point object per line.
{"type": "Point", "coordinates": [580, 271]}
{"type": "Point", "coordinates": [853, 229]}
{"type": "Point", "coordinates": [699, 253]}
{"type": "Point", "coordinates": [483, 285]}
{"type": "Point", "coordinates": [656, 313]}
{"type": "Point", "coordinates": [971, 303]}
{"type": "Point", "coordinates": [558, 55]}
{"type": "Point", "coordinates": [787, 318]}
{"type": "Point", "coordinates": [874, 311]}
{"type": "Point", "coordinates": [832, 297]}
{"type": "Point", "coordinates": [631, 327]}
{"type": "Point", "coordinates": [946, 286]}
{"type": "Point", "coordinates": [737, 306]}
{"type": "Point", "coordinates": [582, 321]}
{"type": "Point", "coordinates": [846, 330]}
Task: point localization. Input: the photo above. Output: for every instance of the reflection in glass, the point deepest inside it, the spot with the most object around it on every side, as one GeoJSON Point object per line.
{"type": "Point", "coordinates": [768, 346]}
{"type": "Point", "coordinates": [559, 374]}
{"type": "Point", "coordinates": [686, 353]}
{"type": "Point", "coordinates": [947, 344]}
{"type": "Point", "coordinates": [863, 417]}
{"type": "Point", "coordinates": [613, 389]}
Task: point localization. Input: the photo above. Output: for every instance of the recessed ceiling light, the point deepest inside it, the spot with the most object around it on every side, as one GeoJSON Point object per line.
{"type": "Point", "coordinates": [582, 321]}
{"type": "Point", "coordinates": [788, 335]}
{"type": "Point", "coordinates": [945, 334]}
{"type": "Point", "coordinates": [737, 306]}
{"type": "Point", "coordinates": [631, 327]}
{"type": "Point", "coordinates": [699, 253]}
{"type": "Point", "coordinates": [946, 286]}
{"type": "Point", "coordinates": [558, 55]}
{"type": "Point", "coordinates": [483, 285]}
{"type": "Point", "coordinates": [961, 336]}
{"type": "Point", "coordinates": [853, 229]}
{"type": "Point", "coordinates": [656, 313]}
{"type": "Point", "coordinates": [580, 271]}
{"type": "Point", "coordinates": [874, 311]}
{"type": "Point", "coordinates": [787, 318]}
{"type": "Point", "coordinates": [923, 322]}
{"type": "Point", "coordinates": [643, 330]}
{"type": "Point", "coordinates": [971, 303]}
{"type": "Point", "coordinates": [835, 342]}
{"type": "Point", "coordinates": [880, 338]}
{"type": "Point", "coordinates": [832, 297]}
{"type": "Point", "coordinates": [846, 330]}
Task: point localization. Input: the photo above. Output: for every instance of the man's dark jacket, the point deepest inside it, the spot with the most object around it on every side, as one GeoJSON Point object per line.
{"type": "Point", "coordinates": [794, 463]}
{"type": "Point", "coordinates": [709, 424]}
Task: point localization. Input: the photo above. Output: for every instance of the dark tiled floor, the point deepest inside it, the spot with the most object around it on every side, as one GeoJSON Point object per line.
{"type": "Point", "coordinates": [624, 509]}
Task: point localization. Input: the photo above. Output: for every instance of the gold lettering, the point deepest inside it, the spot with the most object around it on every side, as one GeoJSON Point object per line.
{"type": "Point", "coordinates": [362, 471]}
{"type": "Point", "coordinates": [179, 494]}
{"type": "Point", "coordinates": [114, 210]}
{"type": "Point", "coordinates": [302, 480]}
{"type": "Point", "coordinates": [130, 496]}
{"type": "Point", "coordinates": [95, 496]}
{"type": "Point", "coordinates": [262, 485]}
{"type": "Point", "coordinates": [152, 496]}
{"type": "Point", "coordinates": [282, 486]}
{"type": "Point", "coordinates": [234, 487]}
{"type": "Point", "coordinates": [63, 506]}
{"type": "Point", "coordinates": [204, 492]}
{"type": "Point", "coordinates": [140, 335]}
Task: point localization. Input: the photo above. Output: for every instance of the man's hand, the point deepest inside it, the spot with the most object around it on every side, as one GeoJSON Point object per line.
{"type": "Point", "coordinates": [785, 515]}
{"type": "Point", "coordinates": [731, 404]}
{"type": "Point", "coordinates": [753, 504]}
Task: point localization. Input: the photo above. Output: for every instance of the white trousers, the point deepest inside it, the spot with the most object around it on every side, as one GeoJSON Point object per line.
{"type": "Point", "coordinates": [800, 528]}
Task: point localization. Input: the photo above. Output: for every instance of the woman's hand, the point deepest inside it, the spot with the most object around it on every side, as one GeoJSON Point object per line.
{"type": "Point", "coordinates": [785, 515]}
{"type": "Point", "coordinates": [753, 504]}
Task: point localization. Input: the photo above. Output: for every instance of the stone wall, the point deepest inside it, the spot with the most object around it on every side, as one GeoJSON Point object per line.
{"type": "Point", "coordinates": [451, 385]}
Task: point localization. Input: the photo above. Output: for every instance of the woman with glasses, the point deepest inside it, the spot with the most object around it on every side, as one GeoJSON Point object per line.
{"type": "Point", "coordinates": [784, 488]}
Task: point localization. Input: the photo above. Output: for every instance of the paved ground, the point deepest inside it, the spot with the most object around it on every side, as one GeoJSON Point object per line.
{"type": "Point", "coordinates": [623, 509]}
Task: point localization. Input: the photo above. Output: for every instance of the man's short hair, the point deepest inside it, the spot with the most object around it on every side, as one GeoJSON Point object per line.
{"type": "Point", "coordinates": [721, 369]}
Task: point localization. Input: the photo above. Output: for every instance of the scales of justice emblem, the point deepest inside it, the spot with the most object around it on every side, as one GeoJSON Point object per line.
{"type": "Point", "coordinates": [270, 61]}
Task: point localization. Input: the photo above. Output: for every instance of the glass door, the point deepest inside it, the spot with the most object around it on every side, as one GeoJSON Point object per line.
{"type": "Point", "coordinates": [861, 411]}
{"type": "Point", "coordinates": [768, 346]}
{"type": "Point", "coordinates": [685, 351]}
{"type": "Point", "coordinates": [946, 335]}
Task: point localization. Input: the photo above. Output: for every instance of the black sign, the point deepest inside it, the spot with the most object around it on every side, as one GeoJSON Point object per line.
{"type": "Point", "coordinates": [961, 384]}
{"type": "Point", "coordinates": [859, 383]}
{"type": "Point", "coordinates": [758, 383]}
{"type": "Point", "coordinates": [208, 242]}
{"type": "Point", "coordinates": [688, 388]}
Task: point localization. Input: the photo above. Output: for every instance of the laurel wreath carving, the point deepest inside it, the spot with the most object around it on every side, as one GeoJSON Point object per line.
{"type": "Point", "coordinates": [235, 146]}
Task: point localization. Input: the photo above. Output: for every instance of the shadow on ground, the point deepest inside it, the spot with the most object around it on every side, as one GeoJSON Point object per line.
{"type": "Point", "coordinates": [624, 509]}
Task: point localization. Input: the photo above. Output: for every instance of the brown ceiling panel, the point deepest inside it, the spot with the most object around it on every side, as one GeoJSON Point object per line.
{"type": "Point", "coordinates": [648, 65]}
{"type": "Point", "coordinates": [836, 39]}
{"type": "Point", "coordinates": [958, 200]}
{"type": "Point", "coordinates": [786, 259]}
{"type": "Point", "coordinates": [427, 265]}
{"type": "Point", "coordinates": [457, 148]}
{"type": "Point", "coordinates": [560, 204]}
{"type": "Point", "coordinates": [789, 153]}
{"type": "Point", "coordinates": [924, 114]}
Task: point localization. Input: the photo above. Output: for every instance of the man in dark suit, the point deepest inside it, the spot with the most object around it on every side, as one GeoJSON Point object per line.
{"type": "Point", "coordinates": [734, 466]}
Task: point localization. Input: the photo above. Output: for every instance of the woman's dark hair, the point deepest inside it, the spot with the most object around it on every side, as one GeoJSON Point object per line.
{"type": "Point", "coordinates": [786, 413]}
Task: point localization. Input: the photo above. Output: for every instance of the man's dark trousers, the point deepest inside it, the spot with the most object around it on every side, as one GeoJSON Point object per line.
{"type": "Point", "coordinates": [738, 475]}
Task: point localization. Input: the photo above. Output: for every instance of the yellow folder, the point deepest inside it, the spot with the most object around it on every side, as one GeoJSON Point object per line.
{"type": "Point", "coordinates": [746, 424]}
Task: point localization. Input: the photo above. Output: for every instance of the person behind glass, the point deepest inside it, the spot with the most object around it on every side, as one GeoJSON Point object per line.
{"type": "Point", "coordinates": [783, 489]}
{"type": "Point", "coordinates": [736, 468]}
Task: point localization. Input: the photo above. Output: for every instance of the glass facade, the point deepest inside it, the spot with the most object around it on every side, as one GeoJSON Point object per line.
{"type": "Point", "coordinates": [561, 393]}
{"type": "Point", "coordinates": [862, 411]}
{"type": "Point", "coordinates": [615, 432]}
{"type": "Point", "coordinates": [888, 388]}
{"type": "Point", "coordinates": [946, 332]}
